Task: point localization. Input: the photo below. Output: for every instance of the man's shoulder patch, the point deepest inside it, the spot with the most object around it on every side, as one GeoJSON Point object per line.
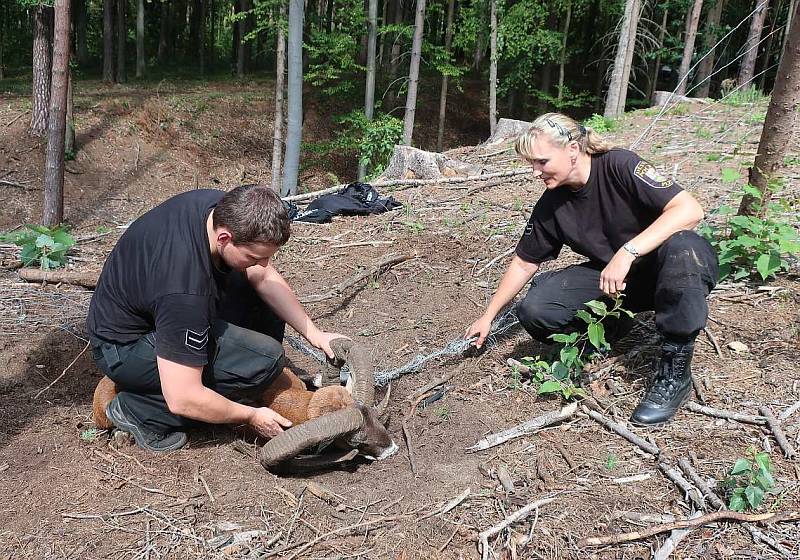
{"type": "Point", "coordinates": [651, 176]}
{"type": "Point", "coordinates": [197, 340]}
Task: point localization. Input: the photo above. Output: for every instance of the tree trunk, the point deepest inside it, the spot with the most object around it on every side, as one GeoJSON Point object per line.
{"type": "Point", "coordinates": [710, 39]}
{"type": "Point", "coordinates": [163, 33]}
{"type": "Point", "coordinates": [243, 52]}
{"type": "Point", "coordinates": [768, 48]}
{"type": "Point", "coordinates": [69, 134]}
{"type": "Point", "coordinates": [413, 74]}
{"type": "Point", "coordinates": [122, 35]}
{"type": "Point", "coordinates": [277, 136]}
{"type": "Point", "coordinates": [42, 64]}
{"type": "Point", "coordinates": [563, 61]}
{"type": "Point", "coordinates": [688, 47]}
{"type": "Point", "coordinates": [108, 40]}
{"type": "Point", "coordinates": [294, 123]}
{"type": "Point", "coordinates": [477, 60]}
{"type": "Point", "coordinates": [747, 69]}
{"type": "Point", "coordinates": [782, 120]}
{"type": "Point", "coordinates": [81, 47]}
{"type": "Point", "coordinates": [789, 18]}
{"type": "Point", "coordinates": [545, 78]}
{"type": "Point", "coordinates": [492, 66]}
{"type": "Point", "coordinates": [618, 88]}
{"type": "Point", "coordinates": [140, 59]}
{"type": "Point", "coordinates": [448, 41]}
{"type": "Point", "coordinates": [54, 157]}
{"type": "Point", "coordinates": [394, 57]}
{"type": "Point", "coordinates": [369, 93]}
{"type": "Point", "coordinates": [201, 38]}
{"type": "Point", "coordinates": [653, 85]}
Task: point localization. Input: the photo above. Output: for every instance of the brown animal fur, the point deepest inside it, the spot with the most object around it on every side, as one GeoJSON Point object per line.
{"type": "Point", "coordinates": [287, 396]}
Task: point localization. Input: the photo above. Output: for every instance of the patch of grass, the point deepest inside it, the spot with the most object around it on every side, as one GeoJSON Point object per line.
{"type": "Point", "coordinates": [745, 96]}
{"type": "Point", "coordinates": [703, 133]}
{"type": "Point", "coordinates": [679, 110]}
{"type": "Point", "coordinates": [756, 118]}
{"type": "Point", "coordinates": [601, 124]}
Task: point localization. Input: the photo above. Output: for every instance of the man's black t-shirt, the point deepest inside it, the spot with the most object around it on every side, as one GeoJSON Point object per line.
{"type": "Point", "coordinates": [159, 277]}
{"type": "Point", "coordinates": [623, 196]}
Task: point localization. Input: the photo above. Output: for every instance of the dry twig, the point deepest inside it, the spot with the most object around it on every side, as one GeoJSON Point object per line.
{"type": "Point", "coordinates": [63, 373]}
{"type": "Point", "coordinates": [526, 428]}
{"type": "Point", "coordinates": [775, 427]}
{"type": "Point", "coordinates": [383, 265]}
{"type": "Point", "coordinates": [84, 279]}
{"type": "Point", "coordinates": [520, 514]}
{"type": "Point", "coordinates": [715, 412]}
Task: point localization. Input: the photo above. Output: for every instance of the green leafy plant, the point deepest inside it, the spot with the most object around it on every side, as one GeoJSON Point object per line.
{"type": "Point", "coordinates": [611, 461]}
{"type": "Point", "coordinates": [745, 96]}
{"type": "Point", "coordinates": [749, 245]}
{"type": "Point", "coordinates": [577, 347]}
{"type": "Point", "coordinates": [41, 245]}
{"type": "Point", "coordinates": [90, 435]}
{"type": "Point", "coordinates": [601, 124]}
{"type": "Point", "coordinates": [749, 481]}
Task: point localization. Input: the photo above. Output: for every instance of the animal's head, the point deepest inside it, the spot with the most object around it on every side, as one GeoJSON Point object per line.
{"type": "Point", "coordinates": [359, 426]}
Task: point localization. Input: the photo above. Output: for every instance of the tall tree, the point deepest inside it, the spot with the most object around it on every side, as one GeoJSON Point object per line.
{"type": "Point", "coordinates": [709, 40]}
{"type": "Point", "coordinates": [448, 42]}
{"type": "Point", "coordinates": [782, 120]}
{"type": "Point", "coordinates": [69, 128]}
{"type": "Point", "coordinates": [294, 113]}
{"type": "Point", "coordinates": [140, 59]}
{"type": "Point", "coordinates": [201, 37]}
{"type": "Point", "coordinates": [54, 157]}
{"type": "Point", "coordinates": [692, 19]}
{"type": "Point", "coordinates": [618, 88]}
{"type": "Point", "coordinates": [748, 66]}
{"type": "Point", "coordinates": [42, 62]}
{"type": "Point", "coordinates": [492, 66]}
{"type": "Point", "coordinates": [243, 48]}
{"type": "Point", "coordinates": [369, 90]}
{"type": "Point", "coordinates": [280, 70]}
{"type": "Point", "coordinates": [653, 86]}
{"type": "Point", "coordinates": [394, 55]}
{"type": "Point", "coordinates": [81, 45]}
{"type": "Point", "coordinates": [122, 35]}
{"type": "Point", "coordinates": [563, 61]}
{"type": "Point", "coordinates": [108, 40]}
{"type": "Point", "coordinates": [413, 73]}
{"type": "Point", "coordinates": [165, 25]}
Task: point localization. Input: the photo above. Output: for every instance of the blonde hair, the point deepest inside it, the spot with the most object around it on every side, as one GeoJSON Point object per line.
{"type": "Point", "coordinates": [560, 130]}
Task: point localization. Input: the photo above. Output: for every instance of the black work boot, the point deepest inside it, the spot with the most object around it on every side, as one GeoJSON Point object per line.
{"type": "Point", "coordinates": [670, 387]}
{"type": "Point", "coordinates": [152, 441]}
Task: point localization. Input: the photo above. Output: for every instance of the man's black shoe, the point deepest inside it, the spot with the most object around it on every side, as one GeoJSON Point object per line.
{"type": "Point", "coordinates": [670, 388]}
{"type": "Point", "coordinates": [146, 439]}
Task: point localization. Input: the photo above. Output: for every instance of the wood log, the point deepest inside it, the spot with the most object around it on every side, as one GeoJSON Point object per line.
{"type": "Point", "coordinates": [84, 279]}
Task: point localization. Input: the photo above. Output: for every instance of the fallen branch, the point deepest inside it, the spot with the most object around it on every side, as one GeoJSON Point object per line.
{"type": "Point", "coordinates": [621, 430]}
{"type": "Point", "coordinates": [688, 524]}
{"type": "Point", "coordinates": [678, 480]}
{"type": "Point", "coordinates": [383, 265]}
{"type": "Point", "coordinates": [775, 427]}
{"type": "Point", "coordinates": [497, 258]}
{"type": "Point", "coordinates": [520, 514]}
{"type": "Point", "coordinates": [671, 543]}
{"type": "Point", "coordinates": [713, 340]}
{"type": "Point", "coordinates": [432, 384]}
{"type": "Point", "coordinates": [84, 279]}
{"type": "Point", "coordinates": [413, 183]}
{"type": "Point", "coordinates": [526, 428]}
{"type": "Point", "coordinates": [716, 413]}
{"type": "Point", "coordinates": [449, 505]}
{"type": "Point", "coordinates": [789, 411]}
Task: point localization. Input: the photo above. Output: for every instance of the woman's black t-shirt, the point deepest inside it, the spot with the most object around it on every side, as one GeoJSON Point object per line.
{"type": "Point", "coordinates": [623, 196]}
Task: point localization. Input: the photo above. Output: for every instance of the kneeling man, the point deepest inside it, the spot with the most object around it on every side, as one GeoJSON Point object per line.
{"type": "Point", "coordinates": [189, 314]}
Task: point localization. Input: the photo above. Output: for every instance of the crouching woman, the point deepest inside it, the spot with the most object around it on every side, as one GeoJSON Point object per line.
{"type": "Point", "coordinates": [634, 227]}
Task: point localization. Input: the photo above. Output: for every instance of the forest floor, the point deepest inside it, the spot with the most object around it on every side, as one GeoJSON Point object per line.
{"type": "Point", "coordinates": [67, 492]}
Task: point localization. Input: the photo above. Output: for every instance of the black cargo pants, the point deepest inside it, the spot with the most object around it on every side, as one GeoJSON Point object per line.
{"type": "Point", "coordinates": [245, 355]}
{"type": "Point", "coordinates": [674, 280]}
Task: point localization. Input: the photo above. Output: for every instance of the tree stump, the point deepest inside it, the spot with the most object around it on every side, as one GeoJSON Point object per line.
{"type": "Point", "coordinates": [661, 98]}
{"type": "Point", "coordinates": [507, 130]}
{"type": "Point", "coordinates": [412, 163]}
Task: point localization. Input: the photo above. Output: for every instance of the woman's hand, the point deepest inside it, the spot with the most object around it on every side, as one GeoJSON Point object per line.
{"type": "Point", "coordinates": [479, 328]}
{"type": "Point", "coordinates": [612, 278]}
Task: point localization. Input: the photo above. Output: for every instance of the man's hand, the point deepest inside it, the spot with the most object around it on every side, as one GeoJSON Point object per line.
{"type": "Point", "coordinates": [612, 278]}
{"type": "Point", "coordinates": [322, 340]}
{"type": "Point", "coordinates": [267, 422]}
{"type": "Point", "coordinates": [481, 329]}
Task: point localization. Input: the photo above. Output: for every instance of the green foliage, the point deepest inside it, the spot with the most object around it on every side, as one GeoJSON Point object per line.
{"type": "Point", "coordinates": [600, 124]}
{"type": "Point", "coordinates": [569, 99]}
{"type": "Point", "coordinates": [611, 461]}
{"type": "Point", "coordinates": [749, 481]}
{"type": "Point", "coordinates": [559, 376]}
{"type": "Point", "coordinates": [373, 141]}
{"type": "Point", "coordinates": [745, 96]}
{"type": "Point", "coordinates": [749, 245]}
{"type": "Point", "coordinates": [46, 246]}
{"type": "Point", "coordinates": [90, 435]}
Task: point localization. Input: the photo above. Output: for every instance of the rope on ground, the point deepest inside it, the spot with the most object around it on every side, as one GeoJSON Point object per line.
{"type": "Point", "coordinates": [500, 327]}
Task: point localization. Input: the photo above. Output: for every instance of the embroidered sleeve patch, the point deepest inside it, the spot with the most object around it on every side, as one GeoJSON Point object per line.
{"type": "Point", "coordinates": [650, 176]}
{"type": "Point", "coordinates": [197, 340]}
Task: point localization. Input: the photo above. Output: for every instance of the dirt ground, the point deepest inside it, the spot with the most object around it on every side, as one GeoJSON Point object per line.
{"type": "Point", "coordinates": [67, 492]}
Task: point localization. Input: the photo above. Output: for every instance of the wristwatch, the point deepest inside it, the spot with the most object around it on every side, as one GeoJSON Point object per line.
{"type": "Point", "coordinates": [631, 249]}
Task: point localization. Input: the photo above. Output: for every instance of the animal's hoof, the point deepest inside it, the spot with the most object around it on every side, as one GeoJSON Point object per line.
{"type": "Point", "coordinates": [121, 438]}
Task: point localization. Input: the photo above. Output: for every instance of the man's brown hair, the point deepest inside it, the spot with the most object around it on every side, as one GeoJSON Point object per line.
{"type": "Point", "coordinates": [253, 214]}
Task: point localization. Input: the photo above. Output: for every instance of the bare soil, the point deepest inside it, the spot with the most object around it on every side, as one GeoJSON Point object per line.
{"type": "Point", "coordinates": [67, 491]}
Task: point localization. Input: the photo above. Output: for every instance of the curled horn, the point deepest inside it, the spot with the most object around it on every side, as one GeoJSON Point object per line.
{"type": "Point", "coordinates": [361, 368]}
{"type": "Point", "coordinates": [383, 408]}
{"type": "Point", "coordinates": [290, 443]}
